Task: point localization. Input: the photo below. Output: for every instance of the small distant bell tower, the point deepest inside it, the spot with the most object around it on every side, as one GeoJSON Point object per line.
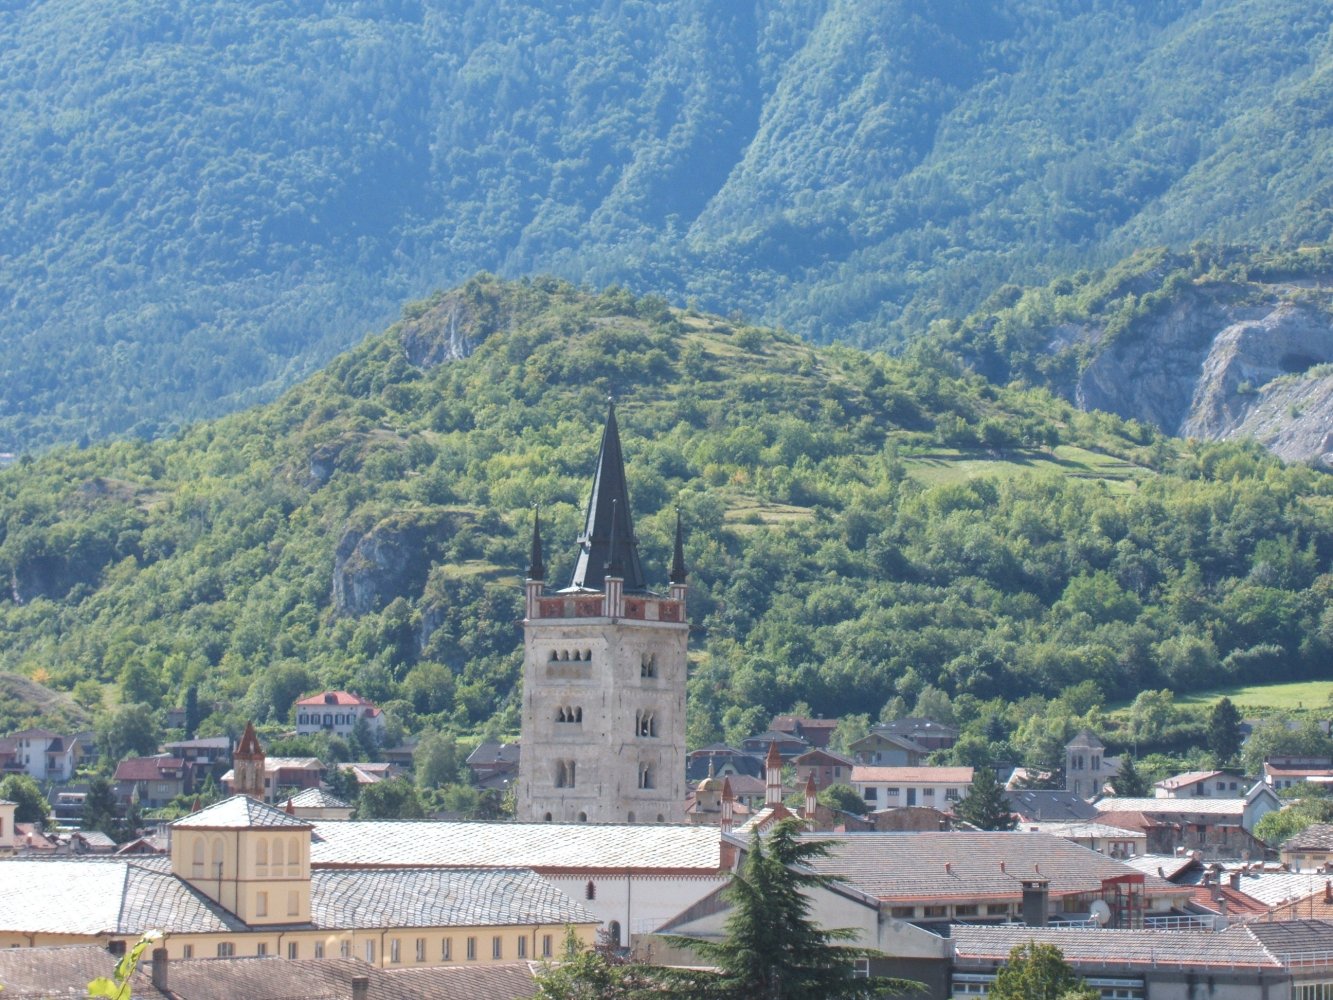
{"type": "Point", "coordinates": [604, 672]}
{"type": "Point", "coordinates": [248, 765]}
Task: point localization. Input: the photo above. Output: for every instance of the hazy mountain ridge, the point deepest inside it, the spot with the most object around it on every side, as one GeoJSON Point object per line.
{"type": "Point", "coordinates": [204, 202]}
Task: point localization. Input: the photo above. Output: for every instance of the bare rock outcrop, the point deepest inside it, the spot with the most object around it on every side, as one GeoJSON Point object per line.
{"type": "Point", "coordinates": [450, 326]}
{"type": "Point", "coordinates": [1214, 369]}
{"type": "Point", "coordinates": [390, 558]}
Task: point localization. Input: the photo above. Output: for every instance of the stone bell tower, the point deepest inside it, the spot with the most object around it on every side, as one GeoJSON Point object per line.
{"type": "Point", "coordinates": [604, 673]}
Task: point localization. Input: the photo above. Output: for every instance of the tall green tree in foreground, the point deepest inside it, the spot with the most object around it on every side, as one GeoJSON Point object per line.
{"type": "Point", "coordinates": [773, 950]}
{"type": "Point", "coordinates": [1039, 972]}
{"type": "Point", "coordinates": [986, 806]}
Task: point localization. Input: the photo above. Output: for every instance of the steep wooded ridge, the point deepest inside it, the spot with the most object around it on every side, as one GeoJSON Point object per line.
{"type": "Point", "coordinates": [858, 528]}
{"type": "Point", "coordinates": [1212, 345]}
{"type": "Point", "coordinates": [204, 201]}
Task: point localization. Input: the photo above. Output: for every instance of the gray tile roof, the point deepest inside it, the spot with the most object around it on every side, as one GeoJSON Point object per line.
{"type": "Point", "coordinates": [1074, 831]}
{"type": "Point", "coordinates": [1274, 887]}
{"type": "Point", "coordinates": [498, 981]}
{"type": "Point", "coordinates": [240, 812]}
{"type": "Point", "coordinates": [1200, 805]}
{"type": "Point", "coordinates": [1050, 805]}
{"type": "Point", "coordinates": [439, 897]}
{"type": "Point", "coordinates": [541, 846]}
{"type": "Point", "coordinates": [92, 896]}
{"type": "Point", "coordinates": [912, 866]}
{"type": "Point", "coordinates": [317, 798]}
{"type": "Point", "coordinates": [975, 944]}
{"type": "Point", "coordinates": [30, 973]}
{"type": "Point", "coordinates": [1293, 937]}
{"type": "Point", "coordinates": [1317, 837]}
{"type": "Point", "coordinates": [1166, 865]}
{"type": "Point", "coordinates": [118, 896]}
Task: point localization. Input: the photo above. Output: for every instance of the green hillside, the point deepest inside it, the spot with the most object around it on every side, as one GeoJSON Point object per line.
{"type": "Point", "coordinates": [859, 528]}
{"type": "Point", "coordinates": [206, 201]}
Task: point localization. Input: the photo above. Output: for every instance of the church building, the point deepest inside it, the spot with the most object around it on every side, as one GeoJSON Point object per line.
{"type": "Point", "coordinates": [604, 673]}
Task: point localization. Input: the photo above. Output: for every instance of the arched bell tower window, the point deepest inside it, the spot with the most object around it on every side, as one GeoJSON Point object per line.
{"type": "Point", "coordinates": [648, 665]}
{"type": "Point", "coordinates": [647, 776]}
{"type": "Point", "coordinates": [645, 722]}
{"type": "Point", "coordinates": [564, 774]}
{"type": "Point", "coordinates": [569, 713]}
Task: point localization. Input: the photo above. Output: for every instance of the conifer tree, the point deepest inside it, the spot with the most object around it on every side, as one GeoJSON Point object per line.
{"type": "Point", "coordinates": [986, 806]}
{"type": "Point", "coordinates": [1129, 783]}
{"type": "Point", "coordinates": [773, 950]}
{"type": "Point", "coordinates": [1224, 736]}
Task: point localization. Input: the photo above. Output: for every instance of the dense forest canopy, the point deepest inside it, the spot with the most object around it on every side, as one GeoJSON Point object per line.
{"type": "Point", "coordinates": [859, 529]}
{"type": "Point", "coordinates": [206, 201]}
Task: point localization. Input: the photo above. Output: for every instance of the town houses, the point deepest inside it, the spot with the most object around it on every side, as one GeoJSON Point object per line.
{"type": "Point", "coordinates": [622, 838]}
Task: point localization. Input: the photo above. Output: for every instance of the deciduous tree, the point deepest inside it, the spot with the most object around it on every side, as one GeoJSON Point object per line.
{"type": "Point", "coordinates": [1039, 972]}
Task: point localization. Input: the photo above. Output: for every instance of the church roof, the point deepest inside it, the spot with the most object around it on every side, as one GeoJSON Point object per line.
{"type": "Point", "coordinates": [545, 847]}
{"type": "Point", "coordinates": [608, 535]}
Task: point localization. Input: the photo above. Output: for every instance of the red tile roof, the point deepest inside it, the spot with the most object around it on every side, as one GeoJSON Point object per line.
{"type": "Point", "coordinates": [149, 769]}
{"type": "Point", "coordinates": [1237, 903]}
{"type": "Point", "coordinates": [339, 698]}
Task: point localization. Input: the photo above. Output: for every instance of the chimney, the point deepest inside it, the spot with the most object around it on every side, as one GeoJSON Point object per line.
{"type": "Point", "coordinates": [1328, 893]}
{"type": "Point", "coordinates": [160, 969]}
{"type": "Point", "coordinates": [1036, 902]}
{"type": "Point", "coordinates": [1234, 880]}
{"type": "Point", "coordinates": [360, 988]}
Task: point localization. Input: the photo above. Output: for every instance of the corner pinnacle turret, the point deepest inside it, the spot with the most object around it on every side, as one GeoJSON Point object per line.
{"type": "Point", "coordinates": [536, 565]}
{"type": "Point", "coordinates": [678, 555]}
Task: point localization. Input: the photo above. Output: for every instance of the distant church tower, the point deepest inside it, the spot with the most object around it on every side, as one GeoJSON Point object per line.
{"type": "Point", "coordinates": [248, 765]}
{"type": "Point", "coordinates": [604, 674]}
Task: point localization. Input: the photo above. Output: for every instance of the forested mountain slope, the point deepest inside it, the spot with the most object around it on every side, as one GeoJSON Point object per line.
{"type": "Point", "coordinates": [204, 201]}
{"type": "Point", "coordinates": [858, 528]}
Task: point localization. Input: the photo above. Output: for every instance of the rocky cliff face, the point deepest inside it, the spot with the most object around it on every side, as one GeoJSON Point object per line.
{"type": "Point", "coordinates": [1217, 367]}
{"type": "Point", "coordinates": [391, 558]}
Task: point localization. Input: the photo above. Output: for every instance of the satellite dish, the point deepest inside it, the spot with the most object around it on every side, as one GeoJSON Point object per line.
{"type": "Point", "coordinates": [1100, 912]}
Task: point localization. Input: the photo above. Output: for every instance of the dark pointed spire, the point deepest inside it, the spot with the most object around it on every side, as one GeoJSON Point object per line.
{"type": "Point", "coordinates": [608, 531]}
{"type": "Point", "coordinates": [678, 556]}
{"type": "Point", "coordinates": [613, 567]}
{"type": "Point", "coordinates": [536, 567]}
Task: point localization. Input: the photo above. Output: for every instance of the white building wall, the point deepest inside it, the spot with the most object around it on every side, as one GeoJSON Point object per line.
{"type": "Point", "coordinates": [639, 903]}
